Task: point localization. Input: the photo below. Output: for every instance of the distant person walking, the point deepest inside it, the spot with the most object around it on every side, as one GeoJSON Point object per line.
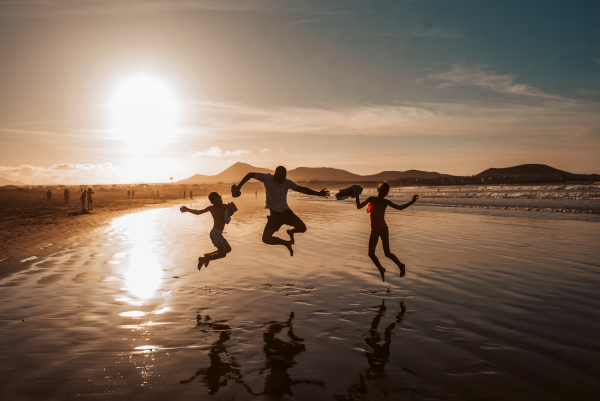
{"type": "Point", "coordinates": [276, 187]}
{"type": "Point", "coordinates": [82, 199]}
{"type": "Point", "coordinates": [379, 228]}
{"type": "Point", "coordinates": [128, 194]}
{"type": "Point", "coordinates": [132, 194]}
{"type": "Point", "coordinates": [48, 196]}
{"type": "Point", "coordinates": [191, 195]}
{"type": "Point", "coordinates": [67, 196]}
{"type": "Point", "coordinates": [183, 194]}
{"type": "Point", "coordinates": [89, 198]}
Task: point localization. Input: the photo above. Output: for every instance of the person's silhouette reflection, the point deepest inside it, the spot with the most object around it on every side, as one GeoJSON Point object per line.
{"type": "Point", "coordinates": [223, 366]}
{"type": "Point", "coordinates": [281, 357]}
{"type": "Point", "coordinates": [379, 356]}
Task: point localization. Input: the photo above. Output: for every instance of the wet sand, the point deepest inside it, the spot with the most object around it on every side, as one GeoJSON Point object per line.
{"type": "Point", "coordinates": [490, 308]}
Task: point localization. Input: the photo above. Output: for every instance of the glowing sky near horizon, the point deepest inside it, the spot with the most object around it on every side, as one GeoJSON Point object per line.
{"type": "Point", "coordinates": [125, 91]}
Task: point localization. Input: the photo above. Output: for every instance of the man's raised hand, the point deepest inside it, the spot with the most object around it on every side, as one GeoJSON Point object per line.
{"type": "Point", "coordinates": [324, 192]}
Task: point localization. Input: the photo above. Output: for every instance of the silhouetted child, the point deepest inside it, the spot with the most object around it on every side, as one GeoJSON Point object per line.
{"type": "Point", "coordinates": [379, 228]}
{"type": "Point", "coordinates": [217, 210]}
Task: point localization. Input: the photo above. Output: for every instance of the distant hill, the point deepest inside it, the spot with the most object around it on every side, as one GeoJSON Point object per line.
{"type": "Point", "coordinates": [4, 181]}
{"type": "Point", "coordinates": [523, 169]}
{"type": "Point", "coordinates": [234, 173]}
{"type": "Point", "coordinates": [237, 171]}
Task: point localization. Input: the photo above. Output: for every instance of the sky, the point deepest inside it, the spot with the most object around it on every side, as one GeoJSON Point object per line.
{"type": "Point", "coordinates": [119, 91]}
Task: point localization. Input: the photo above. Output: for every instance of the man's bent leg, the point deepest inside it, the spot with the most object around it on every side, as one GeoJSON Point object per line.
{"type": "Point", "coordinates": [268, 238]}
{"type": "Point", "coordinates": [299, 227]}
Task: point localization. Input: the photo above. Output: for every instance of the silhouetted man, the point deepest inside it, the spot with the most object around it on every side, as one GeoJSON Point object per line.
{"type": "Point", "coordinates": [67, 195]}
{"type": "Point", "coordinates": [276, 187]}
{"type": "Point", "coordinates": [48, 196]}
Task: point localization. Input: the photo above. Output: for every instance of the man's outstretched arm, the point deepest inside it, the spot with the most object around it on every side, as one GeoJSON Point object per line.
{"type": "Point", "coordinates": [244, 180]}
{"type": "Point", "coordinates": [307, 191]}
{"type": "Point", "coordinates": [400, 207]}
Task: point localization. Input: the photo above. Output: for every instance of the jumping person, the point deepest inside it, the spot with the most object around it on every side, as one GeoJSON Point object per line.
{"type": "Point", "coordinates": [217, 210]}
{"type": "Point", "coordinates": [276, 187]}
{"type": "Point", "coordinates": [379, 228]}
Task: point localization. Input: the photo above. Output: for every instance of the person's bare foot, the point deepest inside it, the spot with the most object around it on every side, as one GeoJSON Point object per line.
{"type": "Point", "coordinates": [289, 247]}
{"type": "Point", "coordinates": [206, 260]}
{"type": "Point", "coordinates": [200, 262]}
{"type": "Point", "coordinates": [291, 234]}
{"type": "Point", "coordinates": [382, 272]}
{"type": "Point", "coordinates": [402, 269]}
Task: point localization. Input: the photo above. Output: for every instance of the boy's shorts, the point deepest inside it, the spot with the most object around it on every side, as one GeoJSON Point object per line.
{"type": "Point", "coordinates": [216, 236]}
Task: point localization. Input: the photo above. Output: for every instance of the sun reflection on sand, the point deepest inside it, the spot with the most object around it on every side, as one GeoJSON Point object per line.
{"type": "Point", "coordinates": [143, 271]}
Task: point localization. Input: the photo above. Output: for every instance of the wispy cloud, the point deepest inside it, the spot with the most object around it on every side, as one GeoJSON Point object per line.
{"type": "Point", "coordinates": [462, 75]}
{"type": "Point", "coordinates": [424, 119]}
{"type": "Point", "coordinates": [54, 8]}
{"type": "Point", "coordinates": [304, 21]}
{"type": "Point", "coordinates": [215, 151]}
{"type": "Point", "coordinates": [265, 150]}
{"type": "Point", "coordinates": [63, 173]}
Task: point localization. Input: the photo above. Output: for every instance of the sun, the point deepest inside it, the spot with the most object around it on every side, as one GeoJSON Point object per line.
{"type": "Point", "coordinates": [144, 109]}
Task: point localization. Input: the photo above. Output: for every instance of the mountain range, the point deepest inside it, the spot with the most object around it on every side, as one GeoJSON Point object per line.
{"type": "Point", "coordinates": [237, 171]}
{"type": "Point", "coordinates": [523, 169]}
{"type": "Point", "coordinates": [4, 181]}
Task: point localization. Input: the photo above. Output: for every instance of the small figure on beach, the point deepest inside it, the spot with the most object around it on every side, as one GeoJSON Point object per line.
{"type": "Point", "coordinates": [89, 198]}
{"type": "Point", "coordinates": [191, 195]}
{"type": "Point", "coordinates": [276, 187]}
{"type": "Point", "coordinates": [48, 196]}
{"type": "Point", "coordinates": [132, 194]}
{"type": "Point", "coordinates": [218, 211]}
{"type": "Point", "coordinates": [82, 199]}
{"type": "Point", "coordinates": [379, 228]}
{"type": "Point", "coordinates": [183, 194]}
{"type": "Point", "coordinates": [67, 196]}
{"type": "Point", "coordinates": [128, 194]}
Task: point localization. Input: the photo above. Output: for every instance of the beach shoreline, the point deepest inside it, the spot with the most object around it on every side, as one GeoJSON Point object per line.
{"type": "Point", "coordinates": [40, 230]}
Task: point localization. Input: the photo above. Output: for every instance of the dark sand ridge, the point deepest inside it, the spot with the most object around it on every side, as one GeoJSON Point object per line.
{"type": "Point", "coordinates": [491, 308]}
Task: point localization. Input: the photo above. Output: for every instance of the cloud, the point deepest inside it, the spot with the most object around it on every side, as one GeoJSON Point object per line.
{"type": "Point", "coordinates": [265, 150]}
{"type": "Point", "coordinates": [63, 173]}
{"type": "Point", "coordinates": [461, 75]}
{"type": "Point", "coordinates": [406, 119]}
{"type": "Point", "coordinates": [55, 8]}
{"type": "Point", "coordinates": [215, 151]}
{"type": "Point", "coordinates": [304, 21]}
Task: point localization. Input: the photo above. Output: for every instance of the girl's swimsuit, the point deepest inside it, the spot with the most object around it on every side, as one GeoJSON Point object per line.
{"type": "Point", "coordinates": [378, 223]}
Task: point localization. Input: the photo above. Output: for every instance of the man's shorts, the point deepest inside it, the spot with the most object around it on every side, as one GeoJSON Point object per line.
{"type": "Point", "coordinates": [216, 236]}
{"type": "Point", "coordinates": [277, 219]}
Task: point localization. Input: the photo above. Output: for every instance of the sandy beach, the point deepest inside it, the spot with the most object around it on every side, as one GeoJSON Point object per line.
{"type": "Point", "coordinates": [491, 308]}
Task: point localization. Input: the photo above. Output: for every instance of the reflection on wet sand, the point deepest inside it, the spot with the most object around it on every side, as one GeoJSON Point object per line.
{"type": "Point", "coordinates": [379, 356]}
{"type": "Point", "coordinates": [280, 357]}
{"type": "Point", "coordinates": [223, 366]}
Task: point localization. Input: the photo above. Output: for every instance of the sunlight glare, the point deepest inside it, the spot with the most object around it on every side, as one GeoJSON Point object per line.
{"type": "Point", "coordinates": [144, 108]}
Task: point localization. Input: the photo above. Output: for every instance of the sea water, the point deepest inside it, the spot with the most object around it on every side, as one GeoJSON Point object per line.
{"type": "Point", "coordinates": [572, 201]}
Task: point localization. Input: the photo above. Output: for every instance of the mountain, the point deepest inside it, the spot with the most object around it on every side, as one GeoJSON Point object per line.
{"type": "Point", "coordinates": [4, 181]}
{"type": "Point", "coordinates": [234, 173]}
{"type": "Point", "coordinates": [237, 171]}
{"type": "Point", "coordinates": [523, 169]}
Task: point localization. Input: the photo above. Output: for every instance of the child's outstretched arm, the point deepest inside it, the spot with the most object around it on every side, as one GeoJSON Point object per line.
{"type": "Point", "coordinates": [400, 207]}
{"type": "Point", "coordinates": [361, 205]}
{"type": "Point", "coordinates": [184, 209]}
